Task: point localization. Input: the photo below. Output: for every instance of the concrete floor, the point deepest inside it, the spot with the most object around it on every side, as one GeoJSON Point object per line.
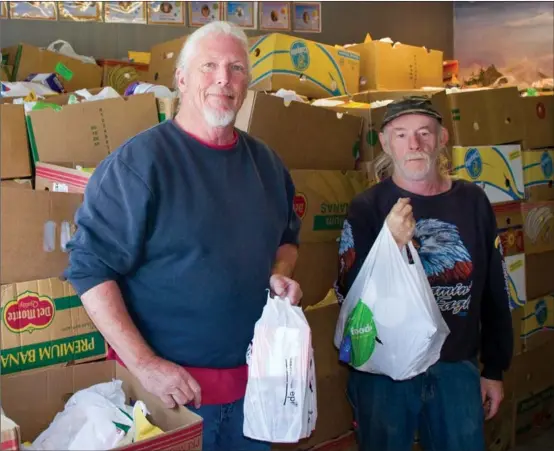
{"type": "Point", "coordinates": [543, 443]}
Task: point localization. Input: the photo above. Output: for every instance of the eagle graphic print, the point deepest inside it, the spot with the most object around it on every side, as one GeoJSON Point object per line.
{"type": "Point", "coordinates": [447, 264]}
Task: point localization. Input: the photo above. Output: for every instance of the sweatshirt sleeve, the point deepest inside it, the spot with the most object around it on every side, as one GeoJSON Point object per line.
{"type": "Point", "coordinates": [111, 226]}
{"type": "Point", "coordinates": [496, 320]}
{"type": "Point", "coordinates": [292, 231]}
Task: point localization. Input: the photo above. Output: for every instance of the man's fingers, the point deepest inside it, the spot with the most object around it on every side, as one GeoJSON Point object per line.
{"type": "Point", "coordinates": [168, 401]}
{"type": "Point", "coordinates": [294, 293]}
{"type": "Point", "coordinates": [196, 392]}
{"type": "Point", "coordinates": [182, 398]}
{"type": "Point", "coordinates": [494, 406]}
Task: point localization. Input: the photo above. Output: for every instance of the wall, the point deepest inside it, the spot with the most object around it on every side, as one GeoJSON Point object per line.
{"type": "Point", "coordinates": [419, 23]}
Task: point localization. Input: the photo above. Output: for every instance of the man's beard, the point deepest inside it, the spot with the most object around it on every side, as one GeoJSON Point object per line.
{"type": "Point", "coordinates": [218, 118]}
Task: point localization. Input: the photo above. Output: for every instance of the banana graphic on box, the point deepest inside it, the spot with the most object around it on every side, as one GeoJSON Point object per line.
{"type": "Point", "coordinates": [538, 223]}
{"type": "Point", "coordinates": [515, 280]}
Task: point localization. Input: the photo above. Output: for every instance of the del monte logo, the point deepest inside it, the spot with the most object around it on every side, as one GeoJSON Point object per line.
{"type": "Point", "coordinates": [299, 55]}
{"type": "Point", "coordinates": [473, 163]}
{"type": "Point", "coordinates": [300, 205]}
{"type": "Point", "coordinates": [28, 312]}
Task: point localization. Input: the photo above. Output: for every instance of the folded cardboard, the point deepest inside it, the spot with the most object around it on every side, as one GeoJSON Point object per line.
{"type": "Point", "coordinates": [384, 65]}
{"type": "Point", "coordinates": [515, 266]}
{"type": "Point", "coordinates": [83, 135]}
{"type": "Point", "coordinates": [538, 174]}
{"type": "Point", "coordinates": [18, 183]}
{"type": "Point", "coordinates": [322, 200]}
{"type": "Point", "coordinates": [43, 324]}
{"type": "Point", "coordinates": [481, 117]}
{"type": "Point", "coordinates": [33, 399]}
{"type": "Point", "coordinates": [74, 74]}
{"type": "Point", "coordinates": [538, 226]}
{"type": "Point", "coordinates": [497, 169]}
{"type": "Point", "coordinates": [35, 226]}
{"type": "Point", "coordinates": [509, 221]}
{"type": "Point", "coordinates": [538, 117]}
{"type": "Point", "coordinates": [537, 323]}
{"type": "Point", "coordinates": [311, 69]}
{"type": "Point", "coordinates": [163, 60]}
{"type": "Point", "coordinates": [14, 147]}
{"type": "Point", "coordinates": [370, 146]}
{"type": "Point", "coordinates": [304, 136]}
{"type": "Point", "coordinates": [538, 274]}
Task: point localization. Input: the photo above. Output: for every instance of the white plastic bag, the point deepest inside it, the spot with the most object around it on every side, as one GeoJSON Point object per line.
{"type": "Point", "coordinates": [389, 322]}
{"type": "Point", "coordinates": [64, 48]}
{"type": "Point", "coordinates": [280, 401]}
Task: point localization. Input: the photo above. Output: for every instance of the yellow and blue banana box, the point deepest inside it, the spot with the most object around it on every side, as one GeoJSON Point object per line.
{"type": "Point", "coordinates": [515, 267]}
{"type": "Point", "coordinates": [311, 69]}
{"type": "Point", "coordinates": [537, 325]}
{"type": "Point", "coordinates": [497, 169]}
{"type": "Point", "coordinates": [538, 174]}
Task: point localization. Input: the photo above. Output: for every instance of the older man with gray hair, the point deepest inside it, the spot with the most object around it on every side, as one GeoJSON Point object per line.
{"type": "Point", "coordinates": [454, 230]}
{"type": "Point", "coordinates": [182, 230]}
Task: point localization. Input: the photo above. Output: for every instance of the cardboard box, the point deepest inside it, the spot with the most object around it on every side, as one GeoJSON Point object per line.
{"type": "Point", "coordinates": [74, 74]}
{"type": "Point", "coordinates": [44, 323]}
{"type": "Point", "coordinates": [509, 221]}
{"type": "Point", "coordinates": [316, 270]}
{"type": "Point", "coordinates": [399, 66]}
{"type": "Point", "coordinates": [83, 135]}
{"type": "Point", "coordinates": [35, 227]}
{"type": "Point", "coordinates": [538, 117]}
{"type": "Point", "coordinates": [534, 411]}
{"type": "Point", "coordinates": [499, 431]}
{"type": "Point", "coordinates": [517, 319]}
{"type": "Point", "coordinates": [538, 274]}
{"type": "Point", "coordinates": [346, 442]}
{"type": "Point", "coordinates": [311, 69]}
{"type": "Point", "coordinates": [538, 174]}
{"type": "Point", "coordinates": [18, 183]}
{"type": "Point", "coordinates": [515, 266]}
{"type": "Point", "coordinates": [322, 200]}
{"type": "Point", "coordinates": [486, 116]}
{"type": "Point", "coordinates": [305, 137]}
{"type": "Point", "coordinates": [537, 325]}
{"type": "Point", "coordinates": [497, 169]}
{"type": "Point", "coordinates": [33, 399]}
{"type": "Point", "coordinates": [538, 226]}
{"type": "Point", "coordinates": [15, 159]}
{"type": "Point", "coordinates": [163, 60]}
{"type": "Point", "coordinates": [370, 146]}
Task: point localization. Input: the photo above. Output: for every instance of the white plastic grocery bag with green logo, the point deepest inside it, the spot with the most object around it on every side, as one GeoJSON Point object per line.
{"type": "Point", "coordinates": [389, 322]}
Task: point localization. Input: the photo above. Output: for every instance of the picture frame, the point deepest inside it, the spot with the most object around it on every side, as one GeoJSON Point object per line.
{"type": "Point", "coordinates": [306, 17]}
{"type": "Point", "coordinates": [33, 10]}
{"type": "Point", "coordinates": [275, 16]}
{"type": "Point", "coordinates": [166, 13]}
{"type": "Point", "coordinates": [4, 10]}
{"type": "Point", "coordinates": [242, 14]}
{"type": "Point", "coordinates": [80, 11]}
{"type": "Point", "coordinates": [125, 12]}
{"type": "Point", "coordinates": [202, 13]}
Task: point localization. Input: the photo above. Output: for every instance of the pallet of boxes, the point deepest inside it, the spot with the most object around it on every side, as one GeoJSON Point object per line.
{"type": "Point", "coordinates": [50, 349]}
{"type": "Point", "coordinates": [503, 142]}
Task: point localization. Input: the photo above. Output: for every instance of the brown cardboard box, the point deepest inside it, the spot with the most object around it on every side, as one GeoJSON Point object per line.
{"type": "Point", "coordinates": [537, 323]}
{"type": "Point", "coordinates": [74, 74]}
{"type": "Point", "coordinates": [35, 227]}
{"type": "Point", "coordinates": [346, 442]}
{"type": "Point", "coordinates": [483, 117]}
{"type": "Point", "coordinates": [509, 221]}
{"type": "Point", "coordinates": [305, 137]}
{"type": "Point", "coordinates": [316, 270]}
{"type": "Point", "coordinates": [538, 226]}
{"type": "Point", "coordinates": [517, 318]}
{"type": "Point", "coordinates": [370, 146]}
{"type": "Point", "coordinates": [499, 431]}
{"type": "Point", "coordinates": [538, 274]}
{"type": "Point", "coordinates": [14, 146]}
{"type": "Point", "coordinates": [44, 324]}
{"type": "Point", "coordinates": [163, 60]}
{"type": "Point", "coordinates": [83, 135]}
{"type": "Point", "coordinates": [33, 399]}
{"type": "Point", "coordinates": [538, 117]}
{"type": "Point", "coordinates": [322, 200]}
{"type": "Point", "coordinates": [400, 66]}
{"type": "Point", "coordinates": [18, 183]}
{"type": "Point", "coordinates": [538, 174]}
{"type": "Point", "coordinates": [534, 397]}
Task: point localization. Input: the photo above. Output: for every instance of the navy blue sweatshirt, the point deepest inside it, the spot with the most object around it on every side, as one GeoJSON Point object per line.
{"type": "Point", "coordinates": [190, 233]}
{"type": "Point", "coordinates": [457, 242]}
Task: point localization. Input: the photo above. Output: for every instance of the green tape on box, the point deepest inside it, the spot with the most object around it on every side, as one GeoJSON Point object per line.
{"type": "Point", "coordinates": [64, 71]}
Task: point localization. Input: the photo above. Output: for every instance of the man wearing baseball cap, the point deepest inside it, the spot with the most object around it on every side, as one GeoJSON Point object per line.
{"type": "Point", "coordinates": [452, 224]}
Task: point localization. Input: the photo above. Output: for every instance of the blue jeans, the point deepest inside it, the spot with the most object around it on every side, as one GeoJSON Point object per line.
{"type": "Point", "coordinates": [444, 404]}
{"type": "Point", "coordinates": [223, 428]}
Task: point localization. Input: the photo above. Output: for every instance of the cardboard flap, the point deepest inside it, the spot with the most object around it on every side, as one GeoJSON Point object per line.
{"type": "Point", "coordinates": [163, 60]}
{"type": "Point", "coordinates": [33, 224]}
{"type": "Point", "coordinates": [14, 146]}
{"type": "Point", "coordinates": [323, 322]}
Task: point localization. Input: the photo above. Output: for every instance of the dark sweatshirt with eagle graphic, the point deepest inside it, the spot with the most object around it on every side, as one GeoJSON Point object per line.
{"type": "Point", "coordinates": [457, 241]}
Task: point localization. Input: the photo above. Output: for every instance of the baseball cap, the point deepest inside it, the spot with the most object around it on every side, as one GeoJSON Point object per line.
{"type": "Point", "coordinates": [410, 105]}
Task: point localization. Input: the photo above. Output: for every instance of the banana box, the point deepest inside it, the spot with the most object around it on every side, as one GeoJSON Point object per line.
{"type": "Point", "coordinates": [497, 169]}
{"type": "Point", "coordinates": [322, 200]}
{"type": "Point", "coordinates": [509, 221]}
{"type": "Point", "coordinates": [515, 275]}
{"type": "Point", "coordinates": [538, 226]}
{"type": "Point", "coordinates": [315, 70]}
{"type": "Point", "coordinates": [538, 174]}
{"type": "Point", "coordinates": [537, 325]}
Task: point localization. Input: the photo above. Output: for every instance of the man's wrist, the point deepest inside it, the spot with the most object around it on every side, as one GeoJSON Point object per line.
{"type": "Point", "coordinates": [282, 268]}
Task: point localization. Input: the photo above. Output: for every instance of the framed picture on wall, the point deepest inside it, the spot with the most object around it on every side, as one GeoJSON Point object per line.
{"type": "Point", "coordinates": [80, 11]}
{"type": "Point", "coordinates": [34, 10]}
{"type": "Point", "coordinates": [306, 17]}
{"type": "Point", "coordinates": [125, 12]}
{"type": "Point", "coordinates": [166, 13]}
{"type": "Point", "coordinates": [3, 10]}
{"type": "Point", "coordinates": [242, 14]}
{"type": "Point", "coordinates": [274, 16]}
{"type": "Point", "coordinates": [201, 13]}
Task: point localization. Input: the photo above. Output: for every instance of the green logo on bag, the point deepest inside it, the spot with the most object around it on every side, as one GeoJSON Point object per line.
{"type": "Point", "coordinates": [360, 335]}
